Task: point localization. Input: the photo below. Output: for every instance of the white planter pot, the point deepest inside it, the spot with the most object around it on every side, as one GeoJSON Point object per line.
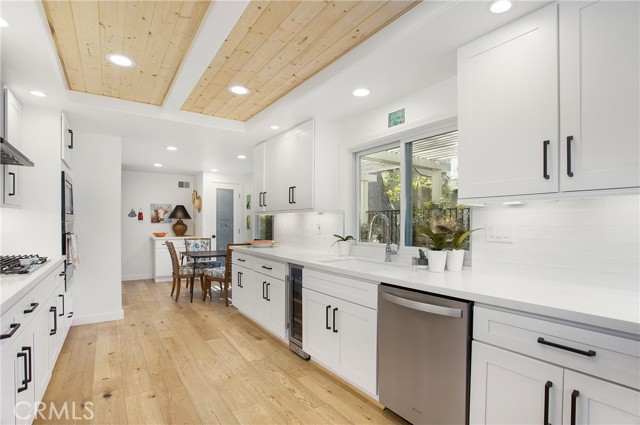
{"type": "Point", "coordinates": [344, 247]}
{"type": "Point", "coordinates": [437, 260]}
{"type": "Point", "coordinates": [455, 259]}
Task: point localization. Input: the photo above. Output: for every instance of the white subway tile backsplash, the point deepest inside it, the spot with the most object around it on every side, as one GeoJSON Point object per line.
{"type": "Point", "coordinates": [309, 230]}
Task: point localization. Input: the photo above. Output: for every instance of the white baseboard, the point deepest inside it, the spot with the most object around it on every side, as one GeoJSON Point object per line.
{"type": "Point", "coordinates": [98, 318]}
{"type": "Point", "coordinates": [137, 277]}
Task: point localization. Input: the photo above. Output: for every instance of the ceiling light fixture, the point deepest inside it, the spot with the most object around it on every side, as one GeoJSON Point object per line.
{"type": "Point", "coordinates": [172, 148]}
{"type": "Point", "coordinates": [361, 92]}
{"type": "Point", "coordinates": [214, 170]}
{"type": "Point", "coordinates": [242, 157]}
{"type": "Point", "coordinates": [38, 93]}
{"type": "Point", "coordinates": [241, 90]}
{"type": "Point", "coordinates": [3, 23]}
{"type": "Point", "coordinates": [275, 127]}
{"type": "Point", "coordinates": [157, 164]}
{"type": "Point", "coordinates": [500, 6]}
{"type": "Point", "coordinates": [120, 60]}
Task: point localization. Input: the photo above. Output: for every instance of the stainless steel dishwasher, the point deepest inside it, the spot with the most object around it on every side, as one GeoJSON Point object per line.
{"type": "Point", "coordinates": [424, 349]}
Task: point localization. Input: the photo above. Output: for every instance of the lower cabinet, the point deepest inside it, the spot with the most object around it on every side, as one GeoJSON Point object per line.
{"type": "Point", "coordinates": [243, 291]}
{"type": "Point", "coordinates": [162, 268]}
{"type": "Point", "coordinates": [342, 336]}
{"type": "Point", "coordinates": [18, 384]}
{"type": "Point", "coordinates": [270, 304]}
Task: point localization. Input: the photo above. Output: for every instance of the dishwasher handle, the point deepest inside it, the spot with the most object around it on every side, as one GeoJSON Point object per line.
{"type": "Point", "coordinates": [427, 308]}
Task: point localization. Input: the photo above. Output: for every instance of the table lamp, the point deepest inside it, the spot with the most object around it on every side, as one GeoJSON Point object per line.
{"type": "Point", "coordinates": [179, 212]}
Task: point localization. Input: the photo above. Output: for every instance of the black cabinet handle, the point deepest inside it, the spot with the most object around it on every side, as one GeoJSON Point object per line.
{"type": "Point", "coordinates": [63, 273]}
{"type": "Point", "coordinates": [12, 330]}
{"type": "Point", "coordinates": [264, 297]}
{"type": "Point", "coordinates": [260, 199]}
{"type": "Point", "coordinates": [54, 310]}
{"type": "Point", "coordinates": [13, 184]}
{"type": "Point", "coordinates": [70, 315]}
{"type": "Point", "coordinates": [264, 199]}
{"type": "Point", "coordinates": [334, 320]}
{"type": "Point", "coordinates": [24, 381]}
{"type": "Point", "coordinates": [290, 201]}
{"type": "Point", "coordinates": [326, 317]}
{"type": "Point", "coordinates": [32, 309]}
{"type": "Point", "coordinates": [30, 362]}
{"type": "Point", "coordinates": [239, 279]}
{"type": "Point", "coordinates": [569, 171]}
{"type": "Point", "coordinates": [70, 132]}
{"type": "Point", "coordinates": [574, 395]}
{"type": "Point", "coordinates": [241, 260]}
{"type": "Point", "coordinates": [293, 194]}
{"type": "Point", "coordinates": [62, 296]}
{"type": "Point", "coordinates": [267, 268]}
{"type": "Point", "coordinates": [547, 387]}
{"type": "Point", "coordinates": [545, 159]}
{"type": "Point", "coordinates": [268, 296]}
{"type": "Point", "coordinates": [589, 353]}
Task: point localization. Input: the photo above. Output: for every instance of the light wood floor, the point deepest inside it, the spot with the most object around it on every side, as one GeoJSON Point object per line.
{"type": "Point", "coordinates": [186, 363]}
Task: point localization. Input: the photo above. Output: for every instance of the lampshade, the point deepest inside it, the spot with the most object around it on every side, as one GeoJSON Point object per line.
{"type": "Point", "coordinates": [179, 212]}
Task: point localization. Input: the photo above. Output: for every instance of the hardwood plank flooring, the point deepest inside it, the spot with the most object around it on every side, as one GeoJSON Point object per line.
{"type": "Point", "coordinates": [191, 363]}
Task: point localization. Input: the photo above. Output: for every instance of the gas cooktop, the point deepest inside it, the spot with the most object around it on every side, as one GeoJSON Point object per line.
{"type": "Point", "coordinates": [20, 264]}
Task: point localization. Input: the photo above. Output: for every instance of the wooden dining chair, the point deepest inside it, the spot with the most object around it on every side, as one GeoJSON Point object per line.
{"type": "Point", "coordinates": [182, 272]}
{"type": "Point", "coordinates": [200, 244]}
{"type": "Point", "coordinates": [221, 275]}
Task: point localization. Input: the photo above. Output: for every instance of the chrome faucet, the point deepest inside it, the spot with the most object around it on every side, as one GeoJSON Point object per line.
{"type": "Point", "coordinates": [388, 250]}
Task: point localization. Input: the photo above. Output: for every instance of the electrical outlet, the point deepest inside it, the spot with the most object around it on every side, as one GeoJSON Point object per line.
{"type": "Point", "coordinates": [499, 232]}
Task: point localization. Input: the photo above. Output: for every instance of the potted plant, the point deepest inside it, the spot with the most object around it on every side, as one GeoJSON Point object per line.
{"type": "Point", "coordinates": [344, 244]}
{"type": "Point", "coordinates": [422, 259]}
{"type": "Point", "coordinates": [439, 239]}
{"type": "Point", "coordinates": [455, 257]}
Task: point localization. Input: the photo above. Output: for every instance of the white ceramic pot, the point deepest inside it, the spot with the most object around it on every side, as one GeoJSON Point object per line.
{"type": "Point", "coordinates": [344, 247]}
{"type": "Point", "coordinates": [455, 258]}
{"type": "Point", "coordinates": [437, 260]}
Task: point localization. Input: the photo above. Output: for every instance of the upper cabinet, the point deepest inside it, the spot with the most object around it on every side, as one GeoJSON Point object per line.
{"type": "Point", "coordinates": [12, 187]}
{"type": "Point", "coordinates": [66, 141]}
{"type": "Point", "coordinates": [294, 170]}
{"type": "Point", "coordinates": [530, 124]}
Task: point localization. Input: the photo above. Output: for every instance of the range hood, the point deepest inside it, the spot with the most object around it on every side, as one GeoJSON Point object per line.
{"type": "Point", "coordinates": [12, 156]}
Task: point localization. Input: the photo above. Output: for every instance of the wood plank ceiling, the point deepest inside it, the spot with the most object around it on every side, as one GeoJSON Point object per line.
{"type": "Point", "coordinates": [277, 45]}
{"type": "Point", "coordinates": [155, 34]}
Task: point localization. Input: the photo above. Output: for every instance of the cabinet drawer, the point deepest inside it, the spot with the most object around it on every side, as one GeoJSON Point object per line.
{"type": "Point", "coordinates": [270, 268]}
{"type": "Point", "coordinates": [242, 260]}
{"type": "Point", "coordinates": [348, 289]}
{"type": "Point", "coordinates": [596, 353]}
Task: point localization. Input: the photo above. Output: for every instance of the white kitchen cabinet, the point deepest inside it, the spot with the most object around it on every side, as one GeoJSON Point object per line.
{"type": "Point", "coordinates": [317, 336]}
{"type": "Point", "coordinates": [66, 141]}
{"type": "Point", "coordinates": [507, 106]}
{"type": "Point", "coordinates": [270, 304]}
{"type": "Point", "coordinates": [259, 186]}
{"type": "Point", "coordinates": [599, 94]}
{"type": "Point", "coordinates": [244, 290]}
{"type": "Point", "coordinates": [162, 267]}
{"type": "Point", "coordinates": [12, 184]}
{"type": "Point", "coordinates": [18, 385]}
{"type": "Point", "coordinates": [531, 125]}
{"type": "Point", "coordinates": [509, 388]}
{"type": "Point", "coordinates": [595, 401]}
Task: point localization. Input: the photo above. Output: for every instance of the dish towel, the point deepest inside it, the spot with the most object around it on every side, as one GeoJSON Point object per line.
{"type": "Point", "coordinates": [73, 248]}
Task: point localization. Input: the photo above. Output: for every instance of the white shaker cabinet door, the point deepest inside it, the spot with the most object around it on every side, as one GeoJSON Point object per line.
{"type": "Point", "coordinates": [12, 191]}
{"type": "Point", "coordinates": [508, 109]}
{"type": "Point", "coordinates": [594, 401]}
{"type": "Point", "coordinates": [318, 338]}
{"type": "Point", "coordinates": [258, 177]}
{"type": "Point", "coordinates": [600, 94]}
{"type": "Point", "coordinates": [508, 388]}
{"type": "Point", "coordinates": [302, 192]}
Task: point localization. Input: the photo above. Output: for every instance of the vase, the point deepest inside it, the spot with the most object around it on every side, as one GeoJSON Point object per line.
{"type": "Point", "coordinates": [344, 247]}
{"type": "Point", "coordinates": [437, 260]}
{"type": "Point", "coordinates": [455, 258]}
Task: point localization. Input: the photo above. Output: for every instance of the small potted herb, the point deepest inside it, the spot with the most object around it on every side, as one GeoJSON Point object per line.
{"type": "Point", "coordinates": [438, 240]}
{"type": "Point", "coordinates": [422, 259]}
{"type": "Point", "coordinates": [455, 257]}
{"type": "Point", "coordinates": [344, 244]}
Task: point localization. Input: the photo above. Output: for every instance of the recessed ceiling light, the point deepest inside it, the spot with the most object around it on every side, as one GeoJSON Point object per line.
{"type": "Point", "coordinates": [214, 170]}
{"type": "Point", "coordinates": [242, 157]}
{"type": "Point", "coordinates": [120, 60]}
{"type": "Point", "coordinates": [500, 6]}
{"type": "Point", "coordinates": [361, 92]}
{"type": "Point", "coordinates": [157, 164]}
{"type": "Point", "coordinates": [3, 23]}
{"type": "Point", "coordinates": [172, 148]}
{"type": "Point", "coordinates": [38, 93]}
{"type": "Point", "coordinates": [275, 127]}
{"type": "Point", "coordinates": [238, 90]}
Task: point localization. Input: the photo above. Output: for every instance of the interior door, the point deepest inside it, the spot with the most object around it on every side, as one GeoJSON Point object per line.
{"type": "Point", "coordinates": [224, 218]}
{"type": "Point", "coordinates": [222, 213]}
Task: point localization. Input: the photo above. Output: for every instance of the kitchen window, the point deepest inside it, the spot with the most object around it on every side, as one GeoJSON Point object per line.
{"type": "Point", "coordinates": [411, 182]}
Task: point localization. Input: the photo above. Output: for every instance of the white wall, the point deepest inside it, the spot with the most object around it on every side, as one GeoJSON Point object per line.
{"type": "Point", "coordinates": [35, 228]}
{"type": "Point", "coordinates": [96, 178]}
{"type": "Point", "coordinates": [139, 191]}
{"type": "Point", "coordinates": [593, 241]}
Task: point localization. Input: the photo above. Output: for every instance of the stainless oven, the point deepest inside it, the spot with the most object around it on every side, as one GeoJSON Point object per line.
{"type": "Point", "coordinates": [294, 302]}
{"type": "Point", "coordinates": [67, 251]}
{"type": "Point", "coordinates": [67, 198]}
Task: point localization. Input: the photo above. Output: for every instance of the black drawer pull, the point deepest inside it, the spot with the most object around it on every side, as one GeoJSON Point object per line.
{"type": "Point", "coordinates": [241, 260]}
{"type": "Point", "coordinates": [326, 317]}
{"type": "Point", "coordinates": [545, 159]}
{"type": "Point", "coordinates": [547, 387]}
{"type": "Point", "coordinates": [589, 353]}
{"type": "Point", "coordinates": [32, 309]}
{"type": "Point", "coordinates": [264, 297]}
{"type": "Point", "coordinates": [574, 395]}
{"type": "Point", "coordinates": [335, 310]}
{"type": "Point", "coordinates": [13, 328]}
{"type": "Point", "coordinates": [54, 310]}
{"type": "Point", "coordinates": [268, 297]}
{"type": "Point", "coordinates": [30, 361]}
{"type": "Point", "coordinates": [569, 171]}
{"type": "Point", "coordinates": [62, 313]}
{"type": "Point", "coordinates": [267, 268]}
{"type": "Point", "coordinates": [70, 315]}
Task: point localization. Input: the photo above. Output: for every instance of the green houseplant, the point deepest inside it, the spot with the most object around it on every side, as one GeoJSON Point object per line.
{"type": "Point", "coordinates": [422, 259]}
{"type": "Point", "coordinates": [455, 257]}
{"type": "Point", "coordinates": [438, 240]}
{"type": "Point", "coordinates": [344, 243]}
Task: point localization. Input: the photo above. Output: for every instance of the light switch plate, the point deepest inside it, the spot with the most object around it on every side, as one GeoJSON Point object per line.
{"type": "Point", "coordinates": [501, 232]}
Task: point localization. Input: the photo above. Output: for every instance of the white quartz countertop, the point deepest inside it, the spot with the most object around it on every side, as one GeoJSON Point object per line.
{"type": "Point", "coordinates": [14, 287]}
{"type": "Point", "coordinates": [600, 306]}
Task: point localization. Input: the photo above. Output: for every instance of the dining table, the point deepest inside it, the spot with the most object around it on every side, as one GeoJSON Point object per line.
{"type": "Point", "coordinates": [198, 255]}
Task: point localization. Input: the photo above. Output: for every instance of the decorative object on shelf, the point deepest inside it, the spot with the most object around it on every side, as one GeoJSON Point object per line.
{"type": "Point", "coordinates": [179, 213]}
{"type": "Point", "coordinates": [455, 257]}
{"type": "Point", "coordinates": [132, 213]}
{"type": "Point", "coordinates": [262, 243]}
{"type": "Point", "coordinates": [248, 221]}
{"type": "Point", "coordinates": [423, 262]}
{"type": "Point", "coordinates": [197, 201]}
{"type": "Point", "coordinates": [159, 213]}
{"type": "Point", "coordinates": [140, 216]}
{"type": "Point", "coordinates": [439, 239]}
{"type": "Point", "coordinates": [344, 244]}
{"type": "Point", "coordinates": [160, 234]}
{"type": "Point", "coordinates": [248, 202]}
{"type": "Point", "coordinates": [396, 118]}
